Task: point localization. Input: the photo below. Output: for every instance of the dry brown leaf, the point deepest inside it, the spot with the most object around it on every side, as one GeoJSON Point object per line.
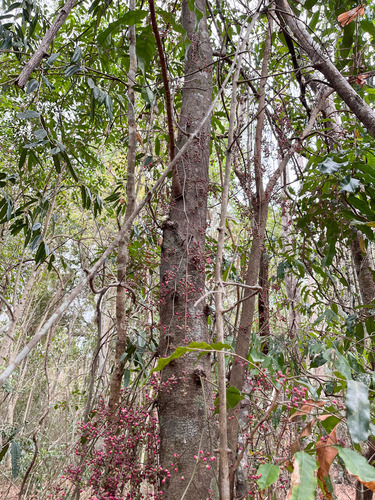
{"type": "Point", "coordinates": [307, 430]}
{"type": "Point", "coordinates": [295, 479]}
{"type": "Point", "coordinates": [325, 456]}
{"type": "Point", "coordinates": [370, 485]}
{"type": "Point", "coordinates": [139, 138]}
{"type": "Point", "coordinates": [347, 17]}
{"type": "Point", "coordinates": [307, 408]}
{"type": "Point", "coordinates": [295, 446]}
{"type": "Point", "coordinates": [361, 79]}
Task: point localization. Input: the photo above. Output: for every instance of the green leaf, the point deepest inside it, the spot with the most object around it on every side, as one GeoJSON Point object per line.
{"type": "Point", "coordinates": [72, 70]}
{"type": "Point", "coordinates": [129, 19]}
{"type": "Point", "coordinates": [3, 451]}
{"type": "Point", "coordinates": [109, 106]}
{"type": "Point", "coordinates": [157, 146]}
{"type": "Point", "coordinates": [198, 14]}
{"type": "Point", "coordinates": [329, 166]}
{"type": "Point", "coordinates": [15, 452]}
{"type": "Point", "coordinates": [76, 57]}
{"type": "Point", "coordinates": [349, 184]}
{"type": "Point", "coordinates": [368, 26]}
{"type": "Point", "coordinates": [145, 48]}
{"type": "Point", "coordinates": [330, 423]}
{"type": "Point", "coordinates": [126, 378]}
{"type": "Point", "coordinates": [148, 161]}
{"type": "Point", "coordinates": [356, 464]}
{"type": "Point", "coordinates": [40, 134]}
{"type": "Point", "coordinates": [358, 408]}
{"type": "Point", "coordinates": [52, 58]}
{"type": "Point", "coordinates": [193, 346]}
{"type": "Point", "coordinates": [342, 365]}
{"type": "Point", "coordinates": [306, 485]}
{"type": "Point", "coordinates": [148, 95]}
{"type": "Point", "coordinates": [31, 86]}
{"type": "Point", "coordinates": [269, 474]}
{"type": "Point", "coordinates": [56, 162]}
{"type": "Point", "coordinates": [28, 114]}
{"type": "Point", "coordinates": [234, 396]}
{"type": "Point", "coordinates": [22, 159]}
{"type": "Point", "coordinates": [70, 166]}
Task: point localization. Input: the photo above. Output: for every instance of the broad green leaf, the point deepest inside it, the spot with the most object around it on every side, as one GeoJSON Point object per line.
{"type": "Point", "coordinates": [358, 408]}
{"type": "Point", "coordinates": [130, 18]}
{"type": "Point", "coordinates": [342, 366]}
{"type": "Point", "coordinates": [31, 86]}
{"type": "Point", "coordinates": [356, 464]}
{"type": "Point", "coordinates": [52, 58]}
{"type": "Point", "coordinates": [305, 483]}
{"type": "Point", "coordinates": [349, 184]}
{"type": "Point", "coordinates": [269, 474]}
{"type": "Point", "coordinates": [234, 396]}
{"type": "Point", "coordinates": [361, 205]}
{"type": "Point", "coordinates": [368, 26]}
{"type": "Point", "coordinates": [329, 166]}
{"type": "Point", "coordinates": [40, 134]}
{"type": "Point", "coordinates": [145, 48]}
{"type": "Point", "coordinates": [330, 423]}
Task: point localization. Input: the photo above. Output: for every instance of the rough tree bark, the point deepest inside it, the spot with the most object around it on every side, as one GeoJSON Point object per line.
{"type": "Point", "coordinates": [185, 398]}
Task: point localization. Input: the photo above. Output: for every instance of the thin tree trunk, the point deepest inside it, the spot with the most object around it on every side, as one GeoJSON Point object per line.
{"type": "Point", "coordinates": [260, 205]}
{"type": "Point", "coordinates": [264, 301]}
{"type": "Point", "coordinates": [123, 254]}
{"type": "Point", "coordinates": [186, 397]}
{"type": "Point", "coordinates": [291, 284]}
{"type": "Point", "coordinates": [224, 484]}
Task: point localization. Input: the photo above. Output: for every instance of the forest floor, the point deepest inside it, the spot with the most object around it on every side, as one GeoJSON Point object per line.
{"type": "Point", "coordinates": [343, 491]}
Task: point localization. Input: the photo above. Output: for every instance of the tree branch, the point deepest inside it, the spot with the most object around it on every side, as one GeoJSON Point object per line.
{"type": "Point", "coordinates": [46, 42]}
{"type": "Point", "coordinates": [322, 63]}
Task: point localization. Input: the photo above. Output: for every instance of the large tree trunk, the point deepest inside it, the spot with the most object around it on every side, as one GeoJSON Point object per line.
{"type": "Point", "coordinates": [185, 397]}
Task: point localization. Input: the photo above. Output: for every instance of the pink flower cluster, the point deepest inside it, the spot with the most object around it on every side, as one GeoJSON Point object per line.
{"type": "Point", "coordinates": [117, 454]}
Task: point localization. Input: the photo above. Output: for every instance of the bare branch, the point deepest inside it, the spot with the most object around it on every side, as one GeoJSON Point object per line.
{"type": "Point", "coordinates": [46, 42]}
